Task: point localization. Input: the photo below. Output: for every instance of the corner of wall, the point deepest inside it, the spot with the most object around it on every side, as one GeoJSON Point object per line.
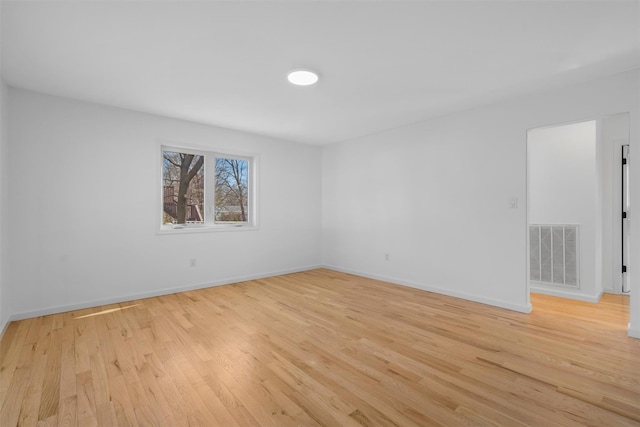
{"type": "Point", "coordinates": [4, 306]}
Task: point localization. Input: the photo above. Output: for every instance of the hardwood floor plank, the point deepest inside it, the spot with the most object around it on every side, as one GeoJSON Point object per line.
{"type": "Point", "coordinates": [322, 348]}
{"type": "Point", "coordinates": [50, 398]}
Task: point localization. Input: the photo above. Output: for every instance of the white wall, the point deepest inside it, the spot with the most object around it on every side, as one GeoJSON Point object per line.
{"type": "Point", "coordinates": [4, 302]}
{"type": "Point", "coordinates": [634, 231]}
{"type": "Point", "coordinates": [84, 205]}
{"type": "Point", "coordinates": [4, 305]}
{"type": "Point", "coordinates": [563, 184]}
{"type": "Point", "coordinates": [435, 195]}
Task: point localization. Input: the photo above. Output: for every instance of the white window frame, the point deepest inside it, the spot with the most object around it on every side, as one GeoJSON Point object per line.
{"type": "Point", "coordinates": [210, 155]}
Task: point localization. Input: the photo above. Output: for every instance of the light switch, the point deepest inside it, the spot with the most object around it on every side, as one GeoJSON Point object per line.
{"type": "Point", "coordinates": [513, 203]}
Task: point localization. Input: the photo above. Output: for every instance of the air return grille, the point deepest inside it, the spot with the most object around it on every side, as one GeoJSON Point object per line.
{"type": "Point", "coordinates": [553, 254]}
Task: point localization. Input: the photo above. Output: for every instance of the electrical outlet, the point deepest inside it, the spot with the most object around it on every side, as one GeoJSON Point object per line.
{"type": "Point", "coordinates": [386, 257]}
{"type": "Point", "coordinates": [193, 262]}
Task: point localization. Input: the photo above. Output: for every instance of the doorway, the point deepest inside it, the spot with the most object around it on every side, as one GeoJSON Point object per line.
{"type": "Point", "coordinates": [562, 211]}
{"type": "Point", "coordinates": [578, 193]}
{"type": "Point", "coordinates": [616, 203]}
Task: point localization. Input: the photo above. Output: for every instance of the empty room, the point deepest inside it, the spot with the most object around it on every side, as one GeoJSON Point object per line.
{"type": "Point", "coordinates": [319, 213]}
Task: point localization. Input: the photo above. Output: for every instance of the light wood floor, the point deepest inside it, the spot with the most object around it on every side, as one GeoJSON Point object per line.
{"type": "Point", "coordinates": [322, 348]}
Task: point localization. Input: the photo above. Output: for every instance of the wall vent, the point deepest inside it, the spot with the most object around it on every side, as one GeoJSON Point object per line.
{"type": "Point", "coordinates": [553, 254]}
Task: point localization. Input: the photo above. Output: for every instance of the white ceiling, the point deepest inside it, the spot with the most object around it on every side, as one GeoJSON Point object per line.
{"type": "Point", "coordinates": [381, 64]}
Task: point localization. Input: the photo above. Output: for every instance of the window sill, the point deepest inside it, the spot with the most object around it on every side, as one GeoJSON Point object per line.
{"type": "Point", "coordinates": [204, 228]}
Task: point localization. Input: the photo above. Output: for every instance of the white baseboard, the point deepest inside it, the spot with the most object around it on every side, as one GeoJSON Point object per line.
{"type": "Point", "coordinates": [3, 327]}
{"type": "Point", "coordinates": [576, 295]}
{"type": "Point", "coordinates": [522, 308]}
{"type": "Point", "coordinates": [150, 294]}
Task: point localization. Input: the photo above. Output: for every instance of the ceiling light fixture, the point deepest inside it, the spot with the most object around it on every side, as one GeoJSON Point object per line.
{"type": "Point", "coordinates": [302, 77]}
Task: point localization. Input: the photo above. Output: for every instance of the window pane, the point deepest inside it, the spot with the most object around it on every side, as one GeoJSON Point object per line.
{"type": "Point", "coordinates": [183, 188]}
{"type": "Point", "coordinates": [232, 195]}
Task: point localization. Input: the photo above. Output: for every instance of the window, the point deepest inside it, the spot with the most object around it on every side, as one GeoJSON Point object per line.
{"type": "Point", "coordinates": [202, 189]}
{"type": "Point", "coordinates": [232, 190]}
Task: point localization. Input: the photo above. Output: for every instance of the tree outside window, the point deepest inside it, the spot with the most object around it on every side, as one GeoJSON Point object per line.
{"type": "Point", "coordinates": [183, 184]}
{"type": "Point", "coordinates": [231, 190]}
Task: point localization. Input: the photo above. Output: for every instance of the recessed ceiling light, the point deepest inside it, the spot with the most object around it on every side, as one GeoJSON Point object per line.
{"type": "Point", "coordinates": [302, 77]}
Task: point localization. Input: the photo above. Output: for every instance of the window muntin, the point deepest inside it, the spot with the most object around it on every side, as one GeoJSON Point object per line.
{"type": "Point", "coordinates": [206, 190]}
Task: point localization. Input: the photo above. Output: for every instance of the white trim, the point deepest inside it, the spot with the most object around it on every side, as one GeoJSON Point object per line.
{"type": "Point", "coordinates": [522, 308]}
{"type": "Point", "coordinates": [594, 298]}
{"type": "Point", "coordinates": [150, 294]}
{"type": "Point", "coordinates": [205, 228]}
{"type": "Point", "coordinates": [195, 147]}
{"type": "Point", "coordinates": [527, 215]}
{"type": "Point", "coordinates": [525, 308]}
{"type": "Point", "coordinates": [633, 333]}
